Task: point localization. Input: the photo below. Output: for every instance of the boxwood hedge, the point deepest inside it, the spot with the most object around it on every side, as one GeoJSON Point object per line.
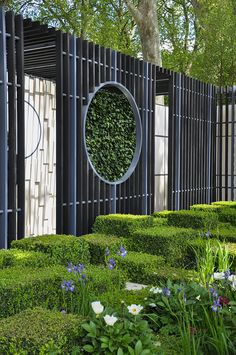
{"type": "Point", "coordinates": [39, 331]}
{"type": "Point", "coordinates": [121, 225]}
{"type": "Point", "coordinates": [61, 248]}
{"type": "Point", "coordinates": [193, 219]}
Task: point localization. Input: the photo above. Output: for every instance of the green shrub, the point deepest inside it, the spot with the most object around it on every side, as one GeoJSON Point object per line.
{"type": "Point", "coordinates": [121, 225]}
{"type": "Point", "coordinates": [227, 234]}
{"type": "Point", "coordinates": [14, 257]}
{"type": "Point", "coordinates": [206, 208]}
{"type": "Point", "coordinates": [161, 214]}
{"type": "Point", "coordinates": [193, 219]}
{"type": "Point", "coordinates": [98, 244]}
{"type": "Point", "coordinates": [169, 242]}
{"type": "Point", "coordinates": [138, 266]}
{"type": "Point", "coordinates": [38, 329]}
{"type": "Point", "coordinates": [228, 215]}
{"type": "Point", "coordinates": [230, 204]}
{"type": "Point", "coordinates": [61, 248]}
{"type": "Point", "coordinates": [110, 134]}
{"type": "Point", "coordinates": [232, 252]}
{"type": "Point", "coordinates": [22, 288]}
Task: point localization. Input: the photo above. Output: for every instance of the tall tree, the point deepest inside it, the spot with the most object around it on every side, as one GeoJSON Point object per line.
{"type": "Point", "coordinates": [145, 16]}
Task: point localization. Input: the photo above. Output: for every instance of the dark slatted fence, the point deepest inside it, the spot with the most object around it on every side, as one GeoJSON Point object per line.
{"type": "Point", "coordinates": [192, 142]}
{"type": "Point", "coordinates": [198, 138]}
{"type": "Point", "coordinates": [82, 68]}
{"type": "Point", "coordinates": [226, 145]}
{"type": "Point", "coordinates": [12, 131]}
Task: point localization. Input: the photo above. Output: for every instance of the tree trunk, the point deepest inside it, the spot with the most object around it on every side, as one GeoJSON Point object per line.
{"type": "Point", "coordinates": [145, 16]}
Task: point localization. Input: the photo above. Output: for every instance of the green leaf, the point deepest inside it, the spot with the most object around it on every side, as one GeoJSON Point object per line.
{"type": "Point", "coordinates": [86, 326]}
{"type": "Point", "coordinates": [120, 351]}
{"type": "Point", "coordinates": [88, 348]}
{"type": "Point", "coordinates": [138, 347]}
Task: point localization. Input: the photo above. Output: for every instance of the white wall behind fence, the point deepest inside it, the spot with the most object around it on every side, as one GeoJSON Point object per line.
{"type": "Point", "coordinates": [40, 174]}
{"type": "Point", "coordinates": [161, 157]}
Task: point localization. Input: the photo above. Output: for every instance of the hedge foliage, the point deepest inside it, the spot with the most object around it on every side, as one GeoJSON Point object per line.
{"type": "Point", "coordinates": [22, 288]}
{"type": "Point", "coordinates": [121, 225]}
{"type": "Point", "coordinates": [98, 244]}
{"type": "Point", "coordinates": [193, 219]}
{"type": "Point", "coordinates": [110, 134]}
{"type": "Point", "coordinates": [14, 257]}
{"type": "Point", "coordinates": [35, 331]}
{"type": "Point", "coordinates": [139, 266]}
{"type": "Point", "coordinates": [161, 214]}
{"type": "Point", "coordinates": [169, 242]}
{"type": "Point", "coordinates": [230, 204]}
{"type": "Point", "coordinates": [206, 208]}
{"type": "Point", "coordinates": [228, 215]}
{"type": "Point", "coordinates": [61, 248]}
{"type": "Point", "coordinates": [227, 234]}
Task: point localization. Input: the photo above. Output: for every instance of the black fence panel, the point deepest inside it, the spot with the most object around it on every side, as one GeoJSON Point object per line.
{"type": "Point", "coordinates": [192, 142]}
{"type": "Point", "coordinates": [201, 162]}
{"type": "Point", "coordinates": [12, 130]}
{"type": "Point", "coordinates": [82, 68]}
{"type": "Point", "coordinates": [226, 145]}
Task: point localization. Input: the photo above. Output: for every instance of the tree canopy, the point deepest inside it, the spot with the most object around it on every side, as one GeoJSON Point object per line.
{"type": "Point", "coordinates": [195, 37]}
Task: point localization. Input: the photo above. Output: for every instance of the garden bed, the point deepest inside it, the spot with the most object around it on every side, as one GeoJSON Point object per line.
{"type": "Point", "coordinates": [188, 305]}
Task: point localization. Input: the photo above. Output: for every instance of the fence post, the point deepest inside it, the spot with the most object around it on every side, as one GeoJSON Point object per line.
{"type": "Point", "coordinates": [3, 133]}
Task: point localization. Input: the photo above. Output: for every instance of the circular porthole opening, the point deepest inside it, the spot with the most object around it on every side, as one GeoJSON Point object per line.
{"type": "Point", "coordinates": [112, 133]}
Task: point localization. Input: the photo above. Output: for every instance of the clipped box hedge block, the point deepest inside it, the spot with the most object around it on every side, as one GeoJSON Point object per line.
{"type": "Point", "coordinates": [230, 204]}
{"type": "Point", "coordinates": [15, 257]}
{"type": "Point", "coordinates": [228, 215]}
{"type": "Point", "coordinates": [34, 331]}
{"type": "Point", "coordinates": [169, 242]}
{"type": "Point", "coordinates": [22, 288]}
{"type": "Point", "coordinates": [61, 248]}
{"type": "Point", "coordinates": [161, 214]}
{"type": "Point", "coordinates": [206, 208]}
{"type": "Point", "coordinates": [121, 225]}
{"type": "Point", "coordinates": [193, 219]}
{"type": "Point", "coordinates": [224, 233]}
{"type": "Point", "coordinates": [98, 244]}
{"type": "Point", "coordinates": [138, 266]}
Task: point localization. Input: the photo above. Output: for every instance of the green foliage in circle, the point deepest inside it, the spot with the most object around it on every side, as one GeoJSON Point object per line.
{"type": "Point", "coordinates": [110, 134]}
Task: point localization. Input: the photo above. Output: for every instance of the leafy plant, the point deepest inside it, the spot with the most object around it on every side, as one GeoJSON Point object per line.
{"type": "Point", "coordinates": [124, 333]}
{"type": "Point", "coordinates": [110, 134]}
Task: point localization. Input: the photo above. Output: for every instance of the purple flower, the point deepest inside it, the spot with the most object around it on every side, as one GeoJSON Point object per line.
{"type": "Point", "coordinates": [216, 305]}
{"type": "Point", "coordinates": [123, 252]}
{"type": "Point", "coordinates": [107, 251]}
{"type": "Point", "coordinates": [227, 274]}
{"type": "Point", "coordinates": [68, 286]}
{"type": "Point", "coordinates": [69, 267]}
{"type": "Point", "coordinates": [213, 292]}
{"type": "Point", "coordinates": [111, 264]}
{"type": "Point", "coordinates": [80, 267]}
{"type": "Point", "coordinates": [166, 291]}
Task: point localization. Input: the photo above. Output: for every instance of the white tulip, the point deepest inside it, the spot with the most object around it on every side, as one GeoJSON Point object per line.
{"type": "Point", "coordinates": [233, 285]}
{"type": "Point", "coordinates": [110, 320]}
{"type": "Point", "coordinates": [219, 275]}
{"type": "Point", "coordinates": [134, 309]}
{"type": "Point", "coordinates": [232, 278]}
{"type": "Point", "coordinates": [97, 307]}
{"type": "Point", "coordinates": [156, 290]}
